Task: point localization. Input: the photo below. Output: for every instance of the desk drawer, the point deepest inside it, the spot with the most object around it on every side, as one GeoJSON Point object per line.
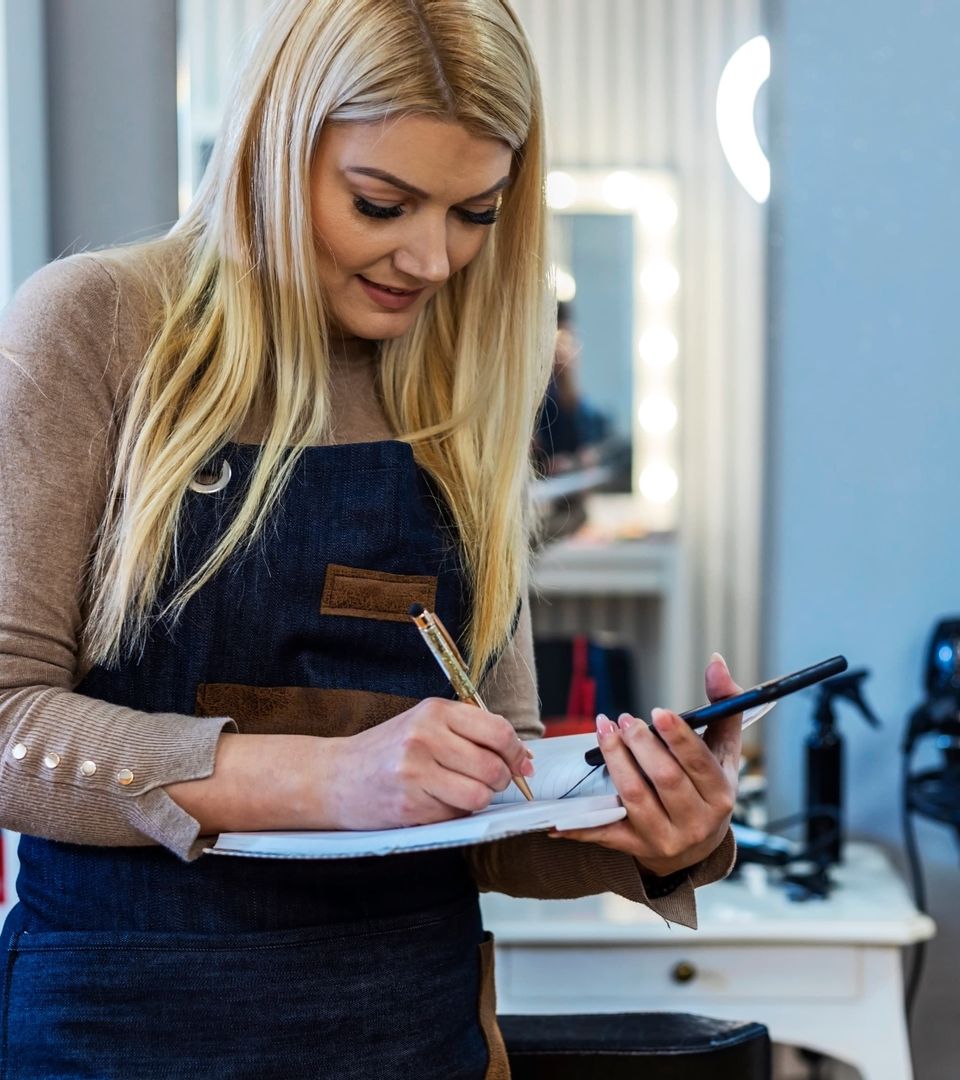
{"type": "Point", "coordinates": [570, 976]}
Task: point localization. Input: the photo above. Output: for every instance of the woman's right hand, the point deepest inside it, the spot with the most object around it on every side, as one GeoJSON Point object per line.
{"type": "Point", "coordinates": [438, 760]}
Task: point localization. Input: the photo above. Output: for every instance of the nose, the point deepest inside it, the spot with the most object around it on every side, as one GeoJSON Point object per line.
{"type": "Point", "coordinates": [423, 255]}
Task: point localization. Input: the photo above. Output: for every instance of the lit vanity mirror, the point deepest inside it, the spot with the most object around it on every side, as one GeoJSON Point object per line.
{"type": "Point", "coordinates": [609, 422]}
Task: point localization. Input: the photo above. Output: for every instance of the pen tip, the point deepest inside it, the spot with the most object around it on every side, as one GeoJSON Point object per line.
{"type": "Point", "coordinates": [416, 609]}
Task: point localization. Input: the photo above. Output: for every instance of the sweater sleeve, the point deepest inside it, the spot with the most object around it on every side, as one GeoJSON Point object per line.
{"type": "Point", "coordinates": [73, 768]}
{"type": "Point", "coordinates": [533, 865]}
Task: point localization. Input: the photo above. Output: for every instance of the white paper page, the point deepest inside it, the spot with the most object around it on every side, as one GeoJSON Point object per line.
{"type": "Point", "coordinates": [560, 766]}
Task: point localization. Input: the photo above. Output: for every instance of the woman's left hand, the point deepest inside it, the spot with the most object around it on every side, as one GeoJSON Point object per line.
{"type": "Point", "coordinates": [678, 793]}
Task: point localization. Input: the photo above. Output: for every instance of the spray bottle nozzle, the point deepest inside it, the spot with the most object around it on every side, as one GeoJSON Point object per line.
{"type": "Point", "coordinates": [844, 687]}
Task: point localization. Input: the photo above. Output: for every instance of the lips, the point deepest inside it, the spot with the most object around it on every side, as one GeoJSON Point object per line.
{"type": "Point", "coordinates": [390, 288]}
{"type": "Point", "coordinates": [388, 297]}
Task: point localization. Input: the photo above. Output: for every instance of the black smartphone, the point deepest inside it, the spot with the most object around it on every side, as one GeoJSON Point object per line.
{"type": "Point", "coordinates": [772, 690]}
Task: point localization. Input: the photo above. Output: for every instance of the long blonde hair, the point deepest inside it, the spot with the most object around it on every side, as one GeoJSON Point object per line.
{"type": "Point", "coordinates": [245, 326]}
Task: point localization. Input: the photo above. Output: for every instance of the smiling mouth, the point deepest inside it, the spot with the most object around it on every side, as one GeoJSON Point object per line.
{"type": "Point", "coordinates": [389, 288]}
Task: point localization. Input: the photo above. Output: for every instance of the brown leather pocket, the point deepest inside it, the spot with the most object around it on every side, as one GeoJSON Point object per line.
{"type": "Point", "coordinates": [298, 710]}
{"type": "Point", "coordinates": [373, 594]}
{"type": "Point", "coordinates": [498, 1067]}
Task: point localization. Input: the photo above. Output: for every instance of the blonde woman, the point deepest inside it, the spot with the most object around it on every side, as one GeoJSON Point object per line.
{"type": "Point", "coordinates": [230, 459]}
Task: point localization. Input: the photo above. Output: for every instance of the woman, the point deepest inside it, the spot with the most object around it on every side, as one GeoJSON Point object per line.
{"type": "Point", "coordinates": [231, 459]}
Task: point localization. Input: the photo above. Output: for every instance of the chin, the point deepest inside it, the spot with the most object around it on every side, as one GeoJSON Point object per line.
{"type": "Point", "coordinates": [375, 327]}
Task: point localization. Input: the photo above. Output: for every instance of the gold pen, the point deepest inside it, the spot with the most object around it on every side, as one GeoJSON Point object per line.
{"type": "Point", "coordinates": [447, 655]}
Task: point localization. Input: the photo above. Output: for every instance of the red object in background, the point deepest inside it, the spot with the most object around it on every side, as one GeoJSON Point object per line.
{"type": "Point", "coordinates": [581, 700]}
{"type": "Point", "coordinates": [567, 725]}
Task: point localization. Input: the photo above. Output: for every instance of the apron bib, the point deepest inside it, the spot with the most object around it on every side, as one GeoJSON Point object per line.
{"type": "Point", "coordinates": [128, 961]}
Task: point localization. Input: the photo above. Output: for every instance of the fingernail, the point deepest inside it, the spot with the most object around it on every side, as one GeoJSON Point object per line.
{"type": "Point", "coordinates": [717, 656]}
{"type": "Point", "coordinates": [526, 768]}
{"type": "Point", "coordinates": [604, 724]}
{"type": "Point", "coordinates": [626, 722]}
{"type": "Point", "coordinates": [662, 719]}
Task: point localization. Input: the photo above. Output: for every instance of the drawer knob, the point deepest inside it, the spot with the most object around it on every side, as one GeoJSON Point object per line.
{"type": "Point", "coordinates": [683, 972]}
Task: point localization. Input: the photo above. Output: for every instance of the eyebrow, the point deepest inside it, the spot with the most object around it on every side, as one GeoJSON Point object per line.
{"type": "Point", "coordinates": [379, 174]}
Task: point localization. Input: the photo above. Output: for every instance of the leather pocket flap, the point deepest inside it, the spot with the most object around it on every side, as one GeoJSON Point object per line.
{"type": "Point", "coordinates": [373, 594]}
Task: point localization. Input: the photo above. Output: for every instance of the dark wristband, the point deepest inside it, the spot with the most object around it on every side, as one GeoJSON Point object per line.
{"type": "Point", "coordinates": [658, 887]}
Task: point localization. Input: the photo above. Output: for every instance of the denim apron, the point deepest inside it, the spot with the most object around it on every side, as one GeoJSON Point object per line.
{"type": "Point", "coordinates": [129, 962]}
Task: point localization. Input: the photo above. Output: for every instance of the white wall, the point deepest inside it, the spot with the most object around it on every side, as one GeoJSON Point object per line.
{"type": "Point", "coordinates": [862, 503]}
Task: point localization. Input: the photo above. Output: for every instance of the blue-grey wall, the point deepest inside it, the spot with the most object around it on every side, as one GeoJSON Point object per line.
{"type": "Point", "coordinates": [26, 104]}
{"type": "Point", "coordinates": [863, 507]}
{"type": "Point", "coordinates": [111, 69]}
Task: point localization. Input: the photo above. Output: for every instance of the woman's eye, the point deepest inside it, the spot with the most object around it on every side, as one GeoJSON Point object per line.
{"type": "Point", "coordinates": [373, 210]}
{"type": "Point", "coordinates": [482, 217]}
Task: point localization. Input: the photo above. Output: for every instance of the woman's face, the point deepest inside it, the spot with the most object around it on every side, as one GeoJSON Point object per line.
{"type": "Point", "coordinates": [397, 207]}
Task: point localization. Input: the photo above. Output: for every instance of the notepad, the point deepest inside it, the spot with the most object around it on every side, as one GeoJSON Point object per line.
{"type": "Point", "coordinates": [568, 794]}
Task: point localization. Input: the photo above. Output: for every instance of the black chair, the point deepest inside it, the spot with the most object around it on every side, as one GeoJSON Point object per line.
{"type": "Point", "coordinates": [635, 1046]}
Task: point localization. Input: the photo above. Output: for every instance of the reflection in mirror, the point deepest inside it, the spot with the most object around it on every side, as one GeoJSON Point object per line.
{"type": "Point", "coordinates": [609, 420]}
{"type": "Point", "coordinates": [586, 419]}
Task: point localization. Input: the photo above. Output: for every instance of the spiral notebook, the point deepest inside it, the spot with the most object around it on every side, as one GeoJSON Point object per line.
{"type": "Point", "coordinates": [568, 794]}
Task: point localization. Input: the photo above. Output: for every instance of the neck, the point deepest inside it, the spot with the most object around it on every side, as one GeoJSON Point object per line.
{"type": "Point", "coordinates": [351, 351]}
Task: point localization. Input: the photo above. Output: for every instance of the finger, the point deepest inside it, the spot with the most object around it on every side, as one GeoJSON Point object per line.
{"type": "Point", "coordinates": [723, 736]}
{"type": "Point", "coordinates": [430, 809]}
{"type": "Point", "coordinates": [676, 791]}
{"type": "Point", "coordinates": [695, 757]}
{"type": "Point", "coordinates": [474, 761]}
{"type": "Point", "coordinates": [636, 792]}
{"type": "Point", "coordinates": [617, 835]}
{"type": "Point", "coordinates": [718, 680]}
{"type": "Point", "coordinates": [494, 732]}
{"type": "Point", "coordinates": [453, 789]}
{"type": "Point", "coordinates": [724, 739]}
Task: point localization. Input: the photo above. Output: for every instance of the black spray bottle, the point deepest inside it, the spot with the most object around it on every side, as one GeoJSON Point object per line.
{"type": "Point", "coordinates": [824, 745]}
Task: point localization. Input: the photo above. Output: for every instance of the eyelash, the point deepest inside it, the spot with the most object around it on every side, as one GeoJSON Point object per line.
{"type": "Point", "coordinates": [369, 209]}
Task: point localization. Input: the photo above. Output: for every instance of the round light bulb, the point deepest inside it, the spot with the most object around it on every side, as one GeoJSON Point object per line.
{"type": "Point", "coordinates": [660, 280]}
{"type": "Point", "coordinates": [622, 190]}
{"type": "Point", "coordinates": [658, 347]}
{"type": "Point", "coordinates": [658, 482]}
{"type": "Point", "coordinates": [659, 213]}
{"type": "Point", "coordinates": [564, 284]}
{"type": "Point", "coordinates": [657, 414]}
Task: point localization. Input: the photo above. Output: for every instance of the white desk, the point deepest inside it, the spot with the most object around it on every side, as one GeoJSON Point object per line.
{"type": "Point", "coordinates": [821, 974]}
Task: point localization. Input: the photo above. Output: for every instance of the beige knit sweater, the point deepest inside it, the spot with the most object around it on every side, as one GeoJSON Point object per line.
{"type": "Point", "coordinates": [69, 343]}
